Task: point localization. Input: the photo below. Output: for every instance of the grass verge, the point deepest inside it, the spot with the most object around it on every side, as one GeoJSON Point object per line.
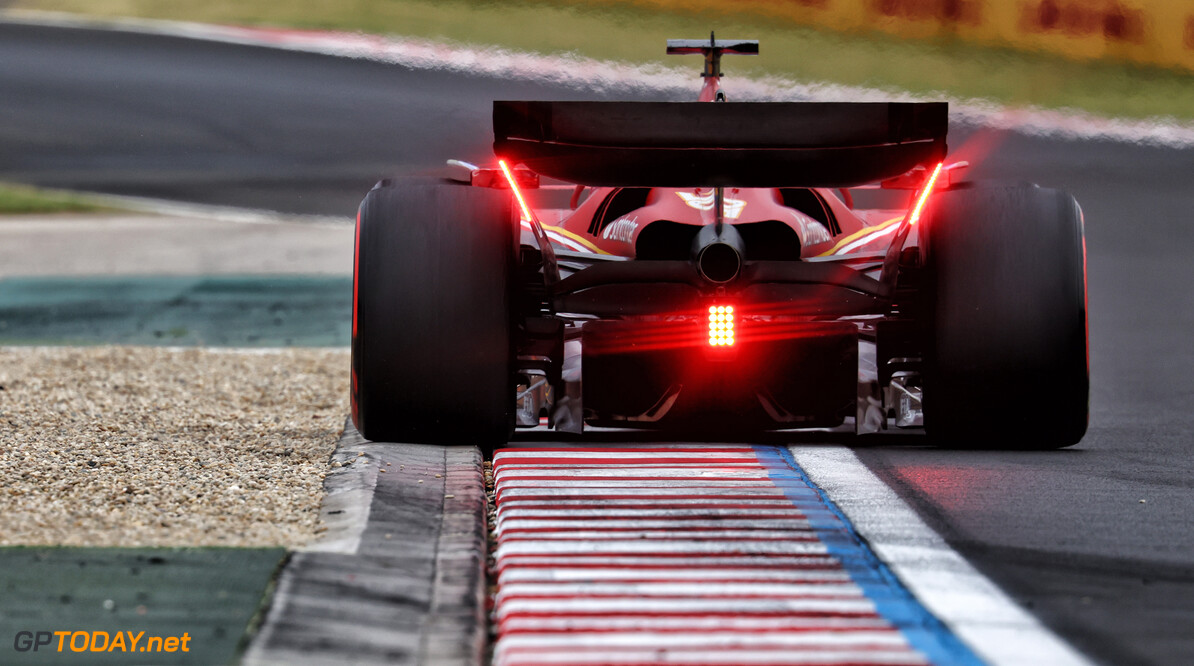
{"type": "Point", "coordinates": [207, 595]}
{"type": "Point", "coordinates": [629, 32]}
{"type": "Point", "coordinates": [25, 200]}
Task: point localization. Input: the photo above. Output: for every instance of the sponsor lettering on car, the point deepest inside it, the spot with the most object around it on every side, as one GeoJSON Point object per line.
{"type": "Point", "coordinates": [622, 229]}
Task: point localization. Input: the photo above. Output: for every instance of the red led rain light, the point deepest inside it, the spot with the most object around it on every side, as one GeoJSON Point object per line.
{"type": "Point", "coordinates": [522, 203]}
{"type": "Point", "coordinates": [721, 325]}
{"type": "Point", "coordinates": [924, 195]}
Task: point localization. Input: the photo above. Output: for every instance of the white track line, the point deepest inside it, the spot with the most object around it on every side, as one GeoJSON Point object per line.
{"type": "Point", "coordinates": [973, 607]}
{"type": "Point", "coordinates": [607, 76]}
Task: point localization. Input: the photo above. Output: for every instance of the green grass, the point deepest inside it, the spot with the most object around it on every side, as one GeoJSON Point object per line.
{"type": "Point", "coordinates": [627, 32]}
{"type": "Point", "coordinates": [210, 594]}
{"type": "Point", "coordinates": [23, 200]}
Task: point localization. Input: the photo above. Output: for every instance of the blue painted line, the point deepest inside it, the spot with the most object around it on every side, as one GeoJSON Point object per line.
{"type": "Point", "coordinates": [892, 600]}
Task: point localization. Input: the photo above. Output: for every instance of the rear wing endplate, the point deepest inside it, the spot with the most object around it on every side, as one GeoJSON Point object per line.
{"type": "Point", "coordinates": [740, 144]}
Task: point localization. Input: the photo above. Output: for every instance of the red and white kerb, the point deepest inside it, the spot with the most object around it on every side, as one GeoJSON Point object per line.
{"type": "Point", "coordinates": [684, 554]}
{"type": "Point", "coordinates": [721, 326]}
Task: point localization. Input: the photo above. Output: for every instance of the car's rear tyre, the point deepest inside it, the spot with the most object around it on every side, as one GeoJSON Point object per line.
{"type": "Point", "coordinates": [431, 343]}
{"type": "Point", "coordinates": [1007, 358]}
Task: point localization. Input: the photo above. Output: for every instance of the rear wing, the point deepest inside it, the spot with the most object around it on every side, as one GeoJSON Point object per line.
{"type": "Point", "coordinates": [701, 46]}
{"type": "Point", "coordinates": [740, 144]}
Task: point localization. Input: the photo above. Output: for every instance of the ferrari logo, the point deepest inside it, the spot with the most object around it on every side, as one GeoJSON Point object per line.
{"type": "Point", "coordinates": [699, 201]}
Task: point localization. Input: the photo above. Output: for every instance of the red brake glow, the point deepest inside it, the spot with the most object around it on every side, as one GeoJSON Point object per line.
{"type": "Point", "coordinates": [924, 195]}
{"type": "Point", "coordinates": [522, 203]}
{"type": "Point", "coordinates": [721, 326]}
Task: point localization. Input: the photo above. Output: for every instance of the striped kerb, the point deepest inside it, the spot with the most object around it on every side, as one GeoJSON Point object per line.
{"type": "Point", "coordinates": [691, 554]}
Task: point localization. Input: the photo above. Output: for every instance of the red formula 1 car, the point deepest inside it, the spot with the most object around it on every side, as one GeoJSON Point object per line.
{"type": "Point", "coordinates": [704, 266]}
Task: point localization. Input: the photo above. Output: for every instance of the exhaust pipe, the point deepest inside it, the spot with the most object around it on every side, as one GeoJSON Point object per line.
{"type": "Point", "coordinates": [717, 252]}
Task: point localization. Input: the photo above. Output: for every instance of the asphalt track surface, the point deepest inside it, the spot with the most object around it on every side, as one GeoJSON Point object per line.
{"type": "Point", "coordinates": [1064, 532]}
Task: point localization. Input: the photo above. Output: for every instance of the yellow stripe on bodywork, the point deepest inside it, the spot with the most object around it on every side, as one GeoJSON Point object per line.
{"type": "Point", "coordinates": [859, 234]}
{"type": "Point", "coordinates": [574, 237]}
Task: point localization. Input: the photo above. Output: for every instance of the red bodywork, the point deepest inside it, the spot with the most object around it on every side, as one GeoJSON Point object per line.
{"type": "Point", "coordinates": [825, 227]}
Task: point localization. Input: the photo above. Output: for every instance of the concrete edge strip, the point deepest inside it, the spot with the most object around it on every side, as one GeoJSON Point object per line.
{"type": "Point", "coordinates": [591, 73]}
{"type": "Point", "coordinates": [348, 496]}
{"type": "Point", "coordinates": [451, 628]}
{"type": "Point", "coordinates": [977, 611]}
{"type": "Point", "coordinates": [460, 587]}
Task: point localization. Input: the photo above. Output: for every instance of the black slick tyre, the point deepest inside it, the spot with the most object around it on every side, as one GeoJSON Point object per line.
{"type": "Point", "coordinates": [431, 344]}
{"type": "Point", "coordinates": [1007, 362]}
